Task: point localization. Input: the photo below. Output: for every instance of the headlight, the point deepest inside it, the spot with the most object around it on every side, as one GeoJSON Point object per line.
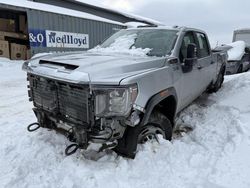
{"type": "Point", "coordinates": [114, 101]}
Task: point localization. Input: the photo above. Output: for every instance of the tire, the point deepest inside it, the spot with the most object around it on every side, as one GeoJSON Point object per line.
{"type": "Point", "coordinates": [240, 69]}
{"type": "Point", "coordinates": [219, 81]}
{"type": "Point", "coordinates": [158, 124]}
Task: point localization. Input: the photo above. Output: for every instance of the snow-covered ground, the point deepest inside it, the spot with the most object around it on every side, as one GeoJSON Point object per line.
{"type": "Point", "coordinates": [215, 154]}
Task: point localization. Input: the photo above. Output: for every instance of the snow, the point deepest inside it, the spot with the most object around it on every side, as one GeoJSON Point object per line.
{"type": "Point", "coordinates": [139, 18]}
{"type": "Point", "coordinates": [122, 45]}
{"type": "Point", "coordinates": [56, 9]}
{"type": "Point", "coordinates": [237, 51]}
{"type": "Point", "coordinates": [69, 12]}
{"type": "Point", "coordinates": [134, 24]}
{"type": "Point", "coordinates": [125, 13]}
{"type": "Point", "coordinates": [215, 153]}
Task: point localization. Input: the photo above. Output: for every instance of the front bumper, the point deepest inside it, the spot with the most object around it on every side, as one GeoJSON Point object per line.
{"type": "Point", "coordinates": [102, 131]}
{"type": "Point", "coordinates": [68, 101]}
{"type": "Point", "coordinates": [68, 109]}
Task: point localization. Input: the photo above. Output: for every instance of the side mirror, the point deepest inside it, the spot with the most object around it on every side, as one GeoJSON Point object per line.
{"type": "Point", "coordinates": [172, 61]}
{"type": "Point", "coordinates": [191, 58]}
{"type": "Point", "coordinates": [247, 50]}
{"type": "Point", "coordinates": [191, 51]}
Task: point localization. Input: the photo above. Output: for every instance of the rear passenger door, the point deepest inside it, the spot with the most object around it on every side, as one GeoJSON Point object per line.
{"type": "Point", "coordinates": [205, 64]}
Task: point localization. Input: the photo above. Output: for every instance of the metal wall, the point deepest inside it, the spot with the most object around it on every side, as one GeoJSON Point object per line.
{"type": "Point", "coordinates": [97, 31]}
{"type": "Point", "coordinates": [242, 35]}
{"type": "Point", "coordinates": [42, 20]}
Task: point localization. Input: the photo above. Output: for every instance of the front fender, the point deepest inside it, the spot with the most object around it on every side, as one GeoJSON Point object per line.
{"type": "Point", "coordinates": [150, 83]}
{"type": "Point", "coordinates": [155, 100]}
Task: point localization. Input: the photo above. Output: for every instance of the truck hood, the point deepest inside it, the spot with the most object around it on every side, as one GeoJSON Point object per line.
{"type": "Point", "coordinates": [94, 68]}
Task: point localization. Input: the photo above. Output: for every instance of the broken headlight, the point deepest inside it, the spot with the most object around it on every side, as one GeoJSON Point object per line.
{"type": "Point", "coordinates": [114, 101]}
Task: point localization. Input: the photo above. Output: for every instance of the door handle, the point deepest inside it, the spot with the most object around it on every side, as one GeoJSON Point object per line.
{"type": "Point", "coordinates": [199, 67]}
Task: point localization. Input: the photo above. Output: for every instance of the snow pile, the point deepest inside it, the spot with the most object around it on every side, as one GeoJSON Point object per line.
{"type": "Point", "coordinates": [134, 24]}
{"type": "Point", "coordinates": [122, 45]}
{"type": "Point", "coordinates": [214, 155]}
{"type": "Point", "coordinates": [237, 51]}
{"type": "Point", "coordinates": [4, 62]}
{"type": "Point", "coordinates": [7, 63]}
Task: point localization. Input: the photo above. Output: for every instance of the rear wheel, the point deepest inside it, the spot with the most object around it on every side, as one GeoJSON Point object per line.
{"type": "Point", "coordinates": [158, 124]}
{"type": "Point", "coordinates": [240, 69]}
{"type": "Point", "coordinates": [220, 79]}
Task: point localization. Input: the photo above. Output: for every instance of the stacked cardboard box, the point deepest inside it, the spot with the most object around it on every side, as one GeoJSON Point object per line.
{"type": "Point", "coordinates": [14, 51]}
{"type": "Point", "coordinates": [18, 52]}
{"type": "Point", "coordinates": [28, 54]}
{"type": "Point", "coordinates": [23, 24]}
{"type": "Point", "coordinates": [7, 25]}
{"type": "Point", "coordinates": [8, 31]}
{"type": "Point", "coordinates": [4, 49]}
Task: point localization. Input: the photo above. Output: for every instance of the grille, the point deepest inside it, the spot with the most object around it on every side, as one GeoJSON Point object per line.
{"type": "Point", "coordinates": [62, 99]}
{"type": "Point", "coordinates": [73, 102]}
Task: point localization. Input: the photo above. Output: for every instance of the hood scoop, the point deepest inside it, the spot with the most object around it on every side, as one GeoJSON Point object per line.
{"type": "Point", "coordinates": [56, 65]}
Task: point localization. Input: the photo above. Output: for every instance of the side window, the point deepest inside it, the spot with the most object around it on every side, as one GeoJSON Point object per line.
{"type": "Point", "coordinates": [203, 49]}
{"type": "Point", "coordinates": [187, 39]}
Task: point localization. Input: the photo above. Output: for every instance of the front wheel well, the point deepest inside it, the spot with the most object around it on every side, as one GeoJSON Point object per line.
{"type": "Point", "coordinates": [168, 108]}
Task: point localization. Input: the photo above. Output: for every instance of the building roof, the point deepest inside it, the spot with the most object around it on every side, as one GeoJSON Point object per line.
{"type": "Point", "coordinates": [55, 9]}
{"type": "Point", "coordinates": [103, 12]}
{"type": "Point", "coordinates": [242, 30]}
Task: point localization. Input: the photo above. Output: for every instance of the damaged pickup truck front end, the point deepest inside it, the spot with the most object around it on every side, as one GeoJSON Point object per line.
{"type": "Point", "coordinates": [65, 100]}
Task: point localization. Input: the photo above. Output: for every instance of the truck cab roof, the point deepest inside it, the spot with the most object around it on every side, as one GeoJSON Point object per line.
{"type": "Point", "coordinates": [177, 28]}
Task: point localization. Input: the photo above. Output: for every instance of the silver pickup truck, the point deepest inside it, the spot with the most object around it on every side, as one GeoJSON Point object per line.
{"type": "Point", "coordinates": [126, 91]}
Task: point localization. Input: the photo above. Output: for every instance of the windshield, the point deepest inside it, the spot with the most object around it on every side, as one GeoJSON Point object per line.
{"type": "Point", "coordinates": [150, 42]}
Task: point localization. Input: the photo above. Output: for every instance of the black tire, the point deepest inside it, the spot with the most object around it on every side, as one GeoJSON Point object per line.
{"type": "Point", "coordinates": [240, 69]}
{"type": "Point", "coordinates": [219, 81]}
{"type": "Point", "coordinates": [158, 124]}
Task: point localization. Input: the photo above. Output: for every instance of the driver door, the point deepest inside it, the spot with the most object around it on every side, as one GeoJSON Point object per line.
{"type": "Point", "coordinates": [190, 81]}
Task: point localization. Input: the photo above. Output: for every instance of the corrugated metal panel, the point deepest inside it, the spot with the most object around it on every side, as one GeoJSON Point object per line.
{"type": "Point", "coordinates": [97, 31]}
{"type": "Point", "coordinates": [42, 20]}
